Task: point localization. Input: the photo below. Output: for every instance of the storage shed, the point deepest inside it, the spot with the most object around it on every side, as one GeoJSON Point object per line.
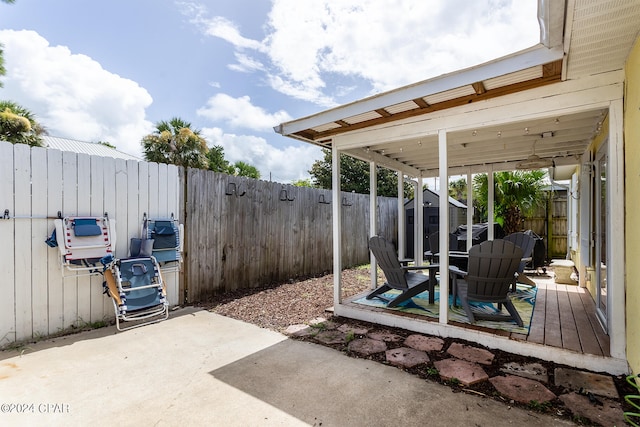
{"type": "Point", "coordinates": [457, 216]}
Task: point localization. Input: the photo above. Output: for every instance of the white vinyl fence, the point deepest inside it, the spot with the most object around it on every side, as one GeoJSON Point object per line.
{"type": "Point", "coordinates": [36, 184]}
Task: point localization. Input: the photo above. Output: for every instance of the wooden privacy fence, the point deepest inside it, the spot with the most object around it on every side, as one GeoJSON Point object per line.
{"type": "Point", "coordinates": [239, 232]}
{"type": "Point", "coordinates": [36, 184]}
{"type": "Point", "coordinates": [244, 233]}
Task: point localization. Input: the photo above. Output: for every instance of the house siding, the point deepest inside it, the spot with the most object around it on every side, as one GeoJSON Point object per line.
{"type": "Point", "coordinates": [632, 206]}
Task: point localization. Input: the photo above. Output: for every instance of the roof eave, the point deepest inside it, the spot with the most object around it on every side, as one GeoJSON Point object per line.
{"type": "Point", "coordinates": [534, 56]}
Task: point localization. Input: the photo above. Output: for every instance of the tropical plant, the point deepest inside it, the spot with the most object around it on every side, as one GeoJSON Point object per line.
{"type": "Point", "coordinates": [19, 126]}
{"type": "Point", "coordinates": [354, 176]}
{"type": "Point", "coordinates": [516, 194]}
{"type": "Point", "coordinates": [458, 190]}
{"type": "Point", "coordinates": [176, 143]}
{"type": "Point", "coordinates": [245, 169]}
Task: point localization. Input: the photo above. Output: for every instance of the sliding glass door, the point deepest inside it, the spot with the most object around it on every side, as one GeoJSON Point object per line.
{"type": "Point", "coordinates": [601, 234]}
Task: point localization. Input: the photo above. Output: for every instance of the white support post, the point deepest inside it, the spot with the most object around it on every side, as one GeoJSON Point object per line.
{"type": "Point", "coordinates": [418, 254]}
{"type": "Point", "coordinates": [490, 201]}
{"type": "Point", "coordinates": [615, 227]}
{"type": "Point", "coordinates": [337, 226]}
{"type": "Point", "coordinates": [401, 217]}
{"type": "Point", "coordinates": [373, 218]}
{"type": "Point", "coordinates": [469, 210]}
{"type": "Point", "coordinates": [444, 226]}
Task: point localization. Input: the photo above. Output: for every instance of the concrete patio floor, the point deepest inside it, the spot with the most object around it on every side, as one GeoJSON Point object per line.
{"type": "Point", "coordinates": [199, 368]}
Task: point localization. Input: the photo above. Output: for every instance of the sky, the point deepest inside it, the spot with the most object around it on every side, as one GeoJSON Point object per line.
{"type": "Point", "coordinates": [109, 71]}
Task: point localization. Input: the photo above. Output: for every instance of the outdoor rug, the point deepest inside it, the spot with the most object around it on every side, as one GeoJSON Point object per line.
{"type": "Point", "coordinates": [524, 300]}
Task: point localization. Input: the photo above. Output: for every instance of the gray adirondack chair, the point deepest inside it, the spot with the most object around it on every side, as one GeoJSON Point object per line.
{"type": "Point", "coordinates": [398, 276]}
{"type": "Point", "coordinates": [526, 243]}
{"type": "Point", "coordinates": [490, 274]}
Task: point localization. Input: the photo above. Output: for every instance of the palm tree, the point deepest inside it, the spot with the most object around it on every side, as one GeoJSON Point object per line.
{"type": "Point", "coordinates": [516, 194]}
{"type": "Point", "coordinates": [19, 126]}
{"type": "Point", "coordinates": [245, 169]}
{"type": "Point", "coordinates": [176, 143]}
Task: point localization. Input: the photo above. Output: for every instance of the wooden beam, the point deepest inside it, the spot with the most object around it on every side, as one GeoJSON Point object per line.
{"type": "Point", "coordinates": [429, 108]}
{"type": "Point", "coordinates": [479, 88]}
{"type": "Point", "coordinates": [383, 112]}
{"type": "Point", "coordinates": [420, 102]}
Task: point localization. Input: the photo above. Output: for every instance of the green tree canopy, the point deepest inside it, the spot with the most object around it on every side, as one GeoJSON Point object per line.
{"type": "Point", "coordinates": [516, 194]}
{"type": "Point", "coordinates": [217, 162]}
{"type": "Point", "coordinates": [458, 190]}
{"type": "Point", "coordinates": [176, 143]}
{"type": "Point", "coordinates": [3, 71]}
{"type": "Point", "coordinates": [18, 125]}
{"type": "Point", "coordinates": [245, 169]}
{"type": "Point", "coordinates": [355, 176]}
{"type": "Point", "coordinates": [302, 183]}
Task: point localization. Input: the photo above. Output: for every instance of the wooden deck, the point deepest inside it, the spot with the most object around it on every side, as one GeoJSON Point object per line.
{"type": "Point", "coordinates": [564, 316]}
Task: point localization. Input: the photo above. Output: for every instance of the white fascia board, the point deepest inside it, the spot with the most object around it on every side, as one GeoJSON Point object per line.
{"type": "Point", "coordinates": [380, 160]}
{"type": "Point", "coordinates": [536, 55]}
{"type": "Point", "coordinates": [551, 19]}
{"type": "Point", "coordinates": [557, 99]}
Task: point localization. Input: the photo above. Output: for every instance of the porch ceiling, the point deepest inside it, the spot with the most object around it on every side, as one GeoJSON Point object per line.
{"type": "Point", "coordinates": [561, 138]}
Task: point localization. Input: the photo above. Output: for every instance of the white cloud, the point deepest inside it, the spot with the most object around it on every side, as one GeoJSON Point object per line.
{"type": "Point", "coordinates": [388, 43]}
{"type": "Point", "coordinates": [71, 94]}
{"type": "Point", "coordinates": [241, 113]}
{"type": "Point", "coordinates": [280, 165]}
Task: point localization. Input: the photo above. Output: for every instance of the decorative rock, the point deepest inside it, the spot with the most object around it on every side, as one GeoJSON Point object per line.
{"type": "Point", "coordinates": [471, 354]}
{"type": "Point", "coordinates": [406, 357]}
{"type": "Point", "coordinates": [317, 320]}
{"type": "Point", "coordinates": [420, 342]}
{"type": "Point", "coordinates": [321, 321]}
{"type": "Point", "coordinates": [571, 379]}
{"type": "Point", "coordinates": [331, 337]}
{"type": "Point", "coordinates": [384, 336]}
{"type": "Point", "coordinates": [533, 371]}
{"type": "Point", "coordinates": [367, 346]}
{"type": "Point", "coordinates": [522, 390]}
{"type": "Point", "coordinates": [299, 331]}
{"type": "Point", "coordinates": [466, 372]}
{"type": "Point", "coordinates": [356, 331]}
{"type": "Point", "coordinates": [608, 414]}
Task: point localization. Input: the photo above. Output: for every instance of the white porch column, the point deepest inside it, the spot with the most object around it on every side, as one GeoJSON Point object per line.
{"type": "Point", "coordinates": [402, 241]}
{"type": "Point", "coordinates": [337, 226]}
{"type": "Point", "coordinates": [444, 226]}
{"type": "Point", "coordinates": [373, 218]}
{"type": "Point", "coordinates": [418, 219]}
{"type": "Point", "coordinates": [616, 305]}
{"type": "Point", "coordinates": [469, 209]}
{"type": "Point", "coordinates": [491, 197]}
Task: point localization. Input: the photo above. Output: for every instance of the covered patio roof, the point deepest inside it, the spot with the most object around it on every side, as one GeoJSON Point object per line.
{"type": "Point", "coordinates": [551, 100]}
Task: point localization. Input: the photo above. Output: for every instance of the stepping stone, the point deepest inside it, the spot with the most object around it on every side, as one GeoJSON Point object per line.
{"type": "Point", "coordinates": [406, 357]}
{"type": "Point", "coordinates": [471, 354]}
{"type": "Point", "coordinates": [384, 336]}
{"type": "Point", "coordinates": [572, 379]}
{"type": "Point", "coordinates": [331, 337]}
{"type": "Point", "coordinates": [533, 371]}
{"type": "Point", "coordinates": [467, 373]}
{"type": "Point", "coordinates": [522, 390]}
{"type": "Point", "coordinates": [300, 331]}
{"type": "Point", "coordinates": [356, 331]}
{"type": "Point", "coordinates": [367, 346]}
{"type": "Point", "coordinates": [608, 414]}
{"type": "Point", "coordinates": [420, 342]}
